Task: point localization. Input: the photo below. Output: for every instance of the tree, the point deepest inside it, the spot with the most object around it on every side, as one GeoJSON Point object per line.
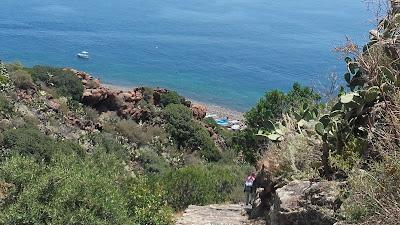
{"type": "Point", "coordinates": [189, 134]}
{"type": "Point", "coordinates": [270, 107]}
{"type": "Point", "coordinates": [275, 103]}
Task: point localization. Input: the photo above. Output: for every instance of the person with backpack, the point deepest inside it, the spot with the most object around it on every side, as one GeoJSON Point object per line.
{"type": "Point", "coordinates": [249, 189]}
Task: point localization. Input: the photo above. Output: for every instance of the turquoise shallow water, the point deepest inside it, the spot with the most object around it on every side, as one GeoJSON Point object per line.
{"type": "Point", "coordinates": [225, 52]}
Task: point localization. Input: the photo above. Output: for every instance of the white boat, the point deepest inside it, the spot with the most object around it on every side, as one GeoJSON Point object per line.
{"type": "Point", "coordinates": [83, 55]}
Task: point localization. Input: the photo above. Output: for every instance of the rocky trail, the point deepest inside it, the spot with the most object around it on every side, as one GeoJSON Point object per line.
{"type": "Point", "coordinates": [229, 214]}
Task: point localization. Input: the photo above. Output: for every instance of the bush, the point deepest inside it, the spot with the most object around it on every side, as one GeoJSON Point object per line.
{"type": "Point", "coordinates": [6, 107]}
{"type": "Point", "coordinates": [88, 191]}
{"type": "Point", "coordinates": [45, 73]}
{"type": "Point", "coordinates": [171, 97]}
{"type": "Point", "coordinates": [373, 196]}
{"type": "Point", "coordinates": [270, 107]}
{"type": "Point", "coordinates": [188, 133]}
{"type": "Point", "coordinates": [151, 161]}
{"type": "Point", "coordinates": [65, 82]}
{"type": "Point", "coordinates": [68, 85]}
{"type": "Point", "coordinates": [245, 142]}
{"type": "Point", "coordinates": [201, 185]}
{"type": "Point", "coordinates": [14, 66]}
{"type": "Point", "coordinates": [22, 79]}
{"type": "Point", "coordinates": [106, 143]}
{"type": "Point", "coordinates": [31, 142]}
{"type": "Point", "coordinates": [275, 103]}
{"type": "Point", "coordinates": [139, 134]}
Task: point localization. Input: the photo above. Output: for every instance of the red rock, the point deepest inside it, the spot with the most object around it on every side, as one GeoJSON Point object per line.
{"type": "Point", "coordinates": [199, 111]}
{"type": "Point", "coordinates": [53, 104]}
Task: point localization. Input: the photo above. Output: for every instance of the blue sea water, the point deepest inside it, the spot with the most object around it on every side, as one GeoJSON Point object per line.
{"type": "Point", "coordinates": [225, 52]}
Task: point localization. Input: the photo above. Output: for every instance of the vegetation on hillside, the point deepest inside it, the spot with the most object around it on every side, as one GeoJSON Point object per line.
{"type": "Point", "coordinates": [63, 162]}
{"type": "Point", "coordinates": [58, 163]}
{"type": "Point", "coordinates": [352, 139]}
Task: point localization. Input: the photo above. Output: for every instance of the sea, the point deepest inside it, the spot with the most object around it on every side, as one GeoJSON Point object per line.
{"type": "Point", "coordinates": [222, 52]}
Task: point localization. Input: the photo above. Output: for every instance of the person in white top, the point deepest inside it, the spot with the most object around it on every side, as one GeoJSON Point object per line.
{"type": "Point", "coordinates": [249, 188]}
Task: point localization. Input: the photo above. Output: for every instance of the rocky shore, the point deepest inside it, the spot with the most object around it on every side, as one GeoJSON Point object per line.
{"type": "Point", "coordinates": [212, 109]}
{"type": "Point", "coordinates": [126, 101]}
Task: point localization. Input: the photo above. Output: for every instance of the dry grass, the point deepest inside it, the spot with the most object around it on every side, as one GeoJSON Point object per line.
{"type": "Point", "coordinates": [297, 156]}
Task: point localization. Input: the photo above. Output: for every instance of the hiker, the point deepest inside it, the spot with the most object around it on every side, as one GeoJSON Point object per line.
{"type": "Point", "coordinates": [248, 188]}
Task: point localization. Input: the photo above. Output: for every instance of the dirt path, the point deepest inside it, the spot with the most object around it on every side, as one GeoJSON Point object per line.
{"type": "Point", "coordinates": [230, 214]}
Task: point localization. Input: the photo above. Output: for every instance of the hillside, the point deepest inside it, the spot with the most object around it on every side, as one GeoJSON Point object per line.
{"type": "Point", "coordinates": [75, 151]}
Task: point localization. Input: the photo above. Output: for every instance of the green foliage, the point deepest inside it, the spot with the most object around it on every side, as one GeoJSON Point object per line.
{"type": "Point", "coordinates": [275, 103]}
{"type": "Point", "coordinates": [151, 161]}
{"type": "Point", "coordinates": [270, 107]}
{"type": "Point", "coordinates": [273, 132]}
{"type": "Point", "coordinates": [31, 142]}
{"type": "Point", "coordinates": [14, 66]}
{"type": "Point", "coordinates": [22, 79]}
{"type": "Point", "coordinates": [246, 143]}
{"type": "Point", "coordinates": [68, 85]}
{"type": "Point", "coordinates": [6, 106]}
{"type": "Point", "coordinates": [106, 143]}
{"type": "Point", "coordinates": [200, 185]}
{"type": "Point", "coordinates": [64, 82]}
{"type": "Point", "coordinates": [79, 191]}
{"type": "Point", "coordinates": [45, 73]}
{"type": "Point", "coordinates": [171, 97]}
{"type": "Point", "coordinates": [139, 134]}
{"type": "Point", "coordinates": [189, 134]}
{"type": "Point", "coordinates": [373, 195]}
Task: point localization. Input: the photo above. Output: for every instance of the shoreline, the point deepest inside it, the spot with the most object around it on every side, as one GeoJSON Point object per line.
{"type": "Point", "coordinates": [212, 109]}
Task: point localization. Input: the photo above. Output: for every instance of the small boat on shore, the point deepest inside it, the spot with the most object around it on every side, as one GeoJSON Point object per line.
{"type": "Point", "coordinates": [222, 122]}
{"type": "Point", "coordinates": [83, 55]}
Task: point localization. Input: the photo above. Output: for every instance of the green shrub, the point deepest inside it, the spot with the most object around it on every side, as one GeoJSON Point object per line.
{"type": "Point", "coordinates": [14, 66]}
{"type": "Point", "coordinates": [246, 143]}
{"type": "Point", "coordinates": [201, 185]}
{"type": "Point", "coordinates": [31, 142]}
{"type": "Point", "coordinates": [65, 83]}
{"type": "Point", "coordinates": [139, 134]}
{"type": "Point", "coordinates": [151, 161]}
{"type": "Point", "coordinates": [275, 103]}
{"type": "Point", "coordinates": [72, 191]}
{"type": "Point", "coordinates": [22, 79]}
{"type": "Point", "coordinates": [92, 114]}
{"type": "Point", "coordinates": [106, 143]}
{"type": "Point", "coordinates": [189, 134]}
{"type": "Point", "coordinates": [3, 80]}
{"type": "Point", "coordinates": [45, 73]}
{"type": "Point", "coordinates": [68, 85]}
{"type": "Point", "coordinates": [373, 196]}
{"type": "Point", "coordinates": [6, 107]}
{"type": "Point", "coordinates": [171, 97]}
{"type": "Point", "coordinates": [270, 107]}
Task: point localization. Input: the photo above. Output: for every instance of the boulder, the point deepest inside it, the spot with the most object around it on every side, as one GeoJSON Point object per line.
{"type": "Point", "coordinates": [199, 111]}
{"type": "Point", "coordinates": [306, 203]}
{"type": "Point", "coordinates": [53, 104]}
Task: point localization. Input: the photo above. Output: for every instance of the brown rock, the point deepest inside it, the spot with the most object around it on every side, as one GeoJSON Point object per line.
{"type": "Point", "coordinates": [53, 104]}
{"type": "Point", "coordinates": [306, 203]}
{"type": "Point", "coordinates": [199, 111]}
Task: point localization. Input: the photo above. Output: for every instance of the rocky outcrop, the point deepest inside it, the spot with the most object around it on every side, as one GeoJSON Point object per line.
{"type": "Point", "coordinates": [125, 103]}
{"type": "Point", "coordinates": [305, 203]}
{"type": "Point", "coordinates": [199, 111]}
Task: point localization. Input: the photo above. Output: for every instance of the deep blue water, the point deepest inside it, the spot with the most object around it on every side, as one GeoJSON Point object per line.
{"type": "Point", "coordinates": [226, 52]}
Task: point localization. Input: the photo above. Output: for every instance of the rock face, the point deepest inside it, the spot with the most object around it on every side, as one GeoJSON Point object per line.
{"type": "Point", "coordinates": [215, 215]}
{"type": "Point", "coordinates": [305, 203]}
